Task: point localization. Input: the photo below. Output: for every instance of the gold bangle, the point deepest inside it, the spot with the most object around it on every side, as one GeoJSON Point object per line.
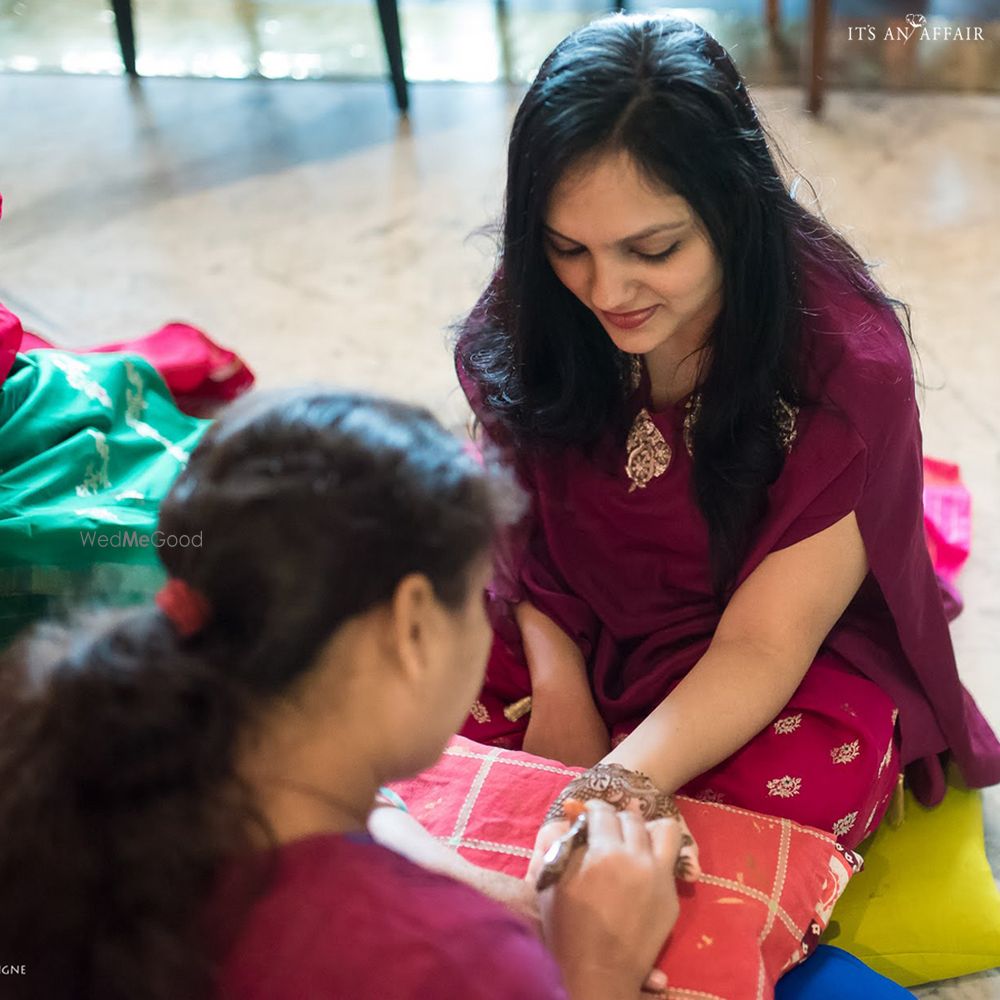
{"type": "Point", "coordinates": [518, 710]}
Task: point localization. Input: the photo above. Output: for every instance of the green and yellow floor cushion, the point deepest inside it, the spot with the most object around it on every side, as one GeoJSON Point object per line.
{"type": "Point", "coordinates": [926, 906]}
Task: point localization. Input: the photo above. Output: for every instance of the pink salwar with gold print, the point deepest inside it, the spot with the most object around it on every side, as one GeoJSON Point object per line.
{"type": "Point", "coordinates": [829, 760]}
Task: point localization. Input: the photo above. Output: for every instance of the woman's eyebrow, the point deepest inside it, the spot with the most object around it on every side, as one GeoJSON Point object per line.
{"type": "Point", "coordinates": [634, 237]}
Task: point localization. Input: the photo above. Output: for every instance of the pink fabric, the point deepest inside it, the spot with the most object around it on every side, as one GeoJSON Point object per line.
{"type": "Point", "coordinates": [199, 373]}
{"type": "Point", "coordinates": [626, 573]}
{"type": "Point", "coordinates": [11, 334]}
{"type": "Point", "coordinates": [342, 917]}
{"type": "Point", "coordinates": [947, 518]}
{"type": "Point", "coordinates": [947, 528]}
{"type": "Point", "coordinates": [829, 760]}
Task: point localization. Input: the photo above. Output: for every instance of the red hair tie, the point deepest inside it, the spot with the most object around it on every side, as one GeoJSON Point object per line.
{"type": "Point", "coordinates": [184, 606]}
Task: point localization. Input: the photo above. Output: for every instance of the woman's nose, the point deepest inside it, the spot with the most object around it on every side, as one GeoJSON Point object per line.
{"type": "Point", "coordinates": [611, 288]}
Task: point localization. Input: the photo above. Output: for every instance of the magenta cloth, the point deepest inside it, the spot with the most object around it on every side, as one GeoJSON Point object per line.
{"type": "Point", "coordinates": [947, 528]}
{"type": "Point", "coordinates": [947, 518]}
{"type": "Point", "coordinates": [11, 335]}
{"type": "Point", "coordinates": [199, 373]}
{"type": "Point", "coordinates": [342, 917]}
{"type": "Point", "coordinates": [830, 760]}
{"type": "Point", "coordinates": [626, 574]}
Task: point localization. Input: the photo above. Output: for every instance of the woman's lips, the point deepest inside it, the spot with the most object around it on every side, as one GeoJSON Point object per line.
{"type": "Point", "coordinates": [629, 320]}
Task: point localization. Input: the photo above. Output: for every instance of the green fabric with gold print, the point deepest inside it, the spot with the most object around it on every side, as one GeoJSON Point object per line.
{"type": "Point", "coordinates": [89, 446]}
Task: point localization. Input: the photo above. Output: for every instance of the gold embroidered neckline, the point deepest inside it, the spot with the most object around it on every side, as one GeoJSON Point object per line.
{"type": "Point", "coordinates": [786, 417]}
{"type": "Point", "coordinates": [692, 410]}
{"type": "Point", "coordinates": [648, 453]}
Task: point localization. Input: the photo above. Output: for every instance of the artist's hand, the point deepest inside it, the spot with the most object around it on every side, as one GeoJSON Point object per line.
{"type": "Point", "coordinates": [688, 868]}
{"type": "Point", "coordinates": [547, 835]}
{"type": "Point", "coordinates": [608, 916]}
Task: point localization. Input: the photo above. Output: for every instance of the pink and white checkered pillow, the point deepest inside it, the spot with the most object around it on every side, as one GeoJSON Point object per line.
{"type": "Point", "coordinates": [766, 894]}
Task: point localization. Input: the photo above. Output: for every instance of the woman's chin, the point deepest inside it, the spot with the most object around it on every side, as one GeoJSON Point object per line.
{"type": "Point", "coordinates": [640, 341]}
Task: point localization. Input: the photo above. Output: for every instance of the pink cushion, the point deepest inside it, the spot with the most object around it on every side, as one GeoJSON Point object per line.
{"type": "Point", "coordinates": [767, 891]}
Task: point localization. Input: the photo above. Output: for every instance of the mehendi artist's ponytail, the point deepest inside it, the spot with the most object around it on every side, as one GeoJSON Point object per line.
{"type": "Point", "coordinates": [118, 801]}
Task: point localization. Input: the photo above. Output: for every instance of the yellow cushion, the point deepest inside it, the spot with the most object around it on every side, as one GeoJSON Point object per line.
{"type": "Point", "coordinates": [926, 906]}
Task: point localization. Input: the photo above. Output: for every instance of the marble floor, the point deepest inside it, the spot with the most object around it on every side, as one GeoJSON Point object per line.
{"type": "Point", "coordinates": [306, 226]}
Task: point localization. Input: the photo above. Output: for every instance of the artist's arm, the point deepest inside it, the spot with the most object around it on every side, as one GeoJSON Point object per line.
{"type": "Point", "coordinates": [400, 832]}
{"type": "Point", "coordinates": [766, 640]}
{"type": "Point", "coordinates": [606, 920]}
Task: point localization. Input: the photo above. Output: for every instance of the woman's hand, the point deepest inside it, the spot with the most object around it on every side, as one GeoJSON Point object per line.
{"type": "Point", "coordinates": [565, 726]}
{"type": "Point", "coordinates": [764, 644]}
{"type": "Point", "coordinates": [607, 918]}
{"type": "Point", "coordinates": [624, 790]}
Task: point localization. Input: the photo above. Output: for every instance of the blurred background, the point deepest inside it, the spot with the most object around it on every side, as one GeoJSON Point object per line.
{"type": "Point", "coordinates": [478, 41]}
{"type": "Point", "coordinates": [257, 178]}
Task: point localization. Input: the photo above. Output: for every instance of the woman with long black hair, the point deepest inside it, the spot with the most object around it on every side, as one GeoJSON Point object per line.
{"type": "Point", "coordinates": [724, 584]}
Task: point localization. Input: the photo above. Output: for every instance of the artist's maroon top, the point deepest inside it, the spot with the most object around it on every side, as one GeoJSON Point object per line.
{"type": "Point", "coordinates": [343, 918]}
{"type": "Point", "coordinates": [626, 574]}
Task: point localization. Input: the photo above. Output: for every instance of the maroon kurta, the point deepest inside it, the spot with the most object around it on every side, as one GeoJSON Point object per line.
{"type": "Point", "coordinates": [343, 917]}
{"type": "Point", "coordinates": [626, 573]}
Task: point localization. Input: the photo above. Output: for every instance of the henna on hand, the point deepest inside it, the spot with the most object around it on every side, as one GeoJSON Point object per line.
{"type": "Point", "coordinates": [618, 786]}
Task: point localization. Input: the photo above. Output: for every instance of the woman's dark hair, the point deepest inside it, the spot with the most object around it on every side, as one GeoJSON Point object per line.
{"type": "Point", "coordinates": [666, 93]}
{"type": "Point", "coordinates": [119, 792]}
